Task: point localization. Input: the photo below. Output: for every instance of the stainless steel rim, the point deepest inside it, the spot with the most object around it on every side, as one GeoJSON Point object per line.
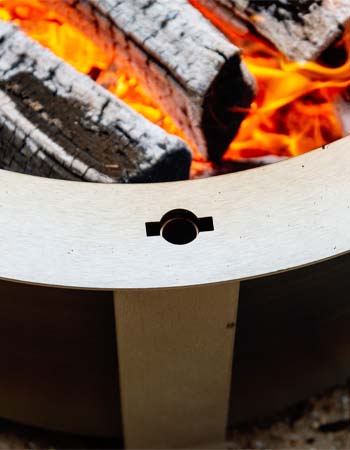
{"type": "Point", "coordinates": [93, 236]}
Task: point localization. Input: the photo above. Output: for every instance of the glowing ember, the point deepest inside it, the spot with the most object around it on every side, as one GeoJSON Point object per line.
{"type": "Point", "coordinates": [70, 44]}
{"type": "Point", "coordinates": [294, 111]}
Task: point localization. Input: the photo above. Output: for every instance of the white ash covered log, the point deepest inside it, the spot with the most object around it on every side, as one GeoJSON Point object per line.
{"type": "Point", "coordinates": [58, 123]}
{"type": "Point", "coordinates": [300, 29]}
{"type": "Point", "coordinates": [187, 65]}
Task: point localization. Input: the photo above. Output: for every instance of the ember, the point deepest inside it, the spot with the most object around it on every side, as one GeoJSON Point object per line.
{"type": "Point", "coordinates": [294, 111]}
{"type": "Point", "coordinates": [49, 29]}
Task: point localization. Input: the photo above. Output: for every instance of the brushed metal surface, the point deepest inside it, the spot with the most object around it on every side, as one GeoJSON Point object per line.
{"type": "Point", "coordinates": [175, 350]}
{"type": "Point", "coordinates": [266, 220]}
{"type": "Point", "coordinates": [58, 361]}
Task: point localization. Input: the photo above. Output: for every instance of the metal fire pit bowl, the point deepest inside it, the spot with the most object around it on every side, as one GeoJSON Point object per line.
{"type": "Point", "coordinates": [171, 260]}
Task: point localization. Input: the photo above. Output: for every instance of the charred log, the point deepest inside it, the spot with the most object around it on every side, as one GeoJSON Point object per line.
{"type": "Point", "coordinates": [58, 123]}
{"type": "Point", "coordinates": [186, 64]}
{"type": "Point", "coordinates": [300, 29]}
{"type": "Point", "coordinates": [222, 17]}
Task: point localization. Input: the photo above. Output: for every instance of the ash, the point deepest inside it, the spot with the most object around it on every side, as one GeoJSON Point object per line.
{"type": "Point", "coordinates": [285, 9]}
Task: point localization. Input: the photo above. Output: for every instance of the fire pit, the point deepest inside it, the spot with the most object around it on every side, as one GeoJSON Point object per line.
{"type": "Point", "coordinates": [174, 254]}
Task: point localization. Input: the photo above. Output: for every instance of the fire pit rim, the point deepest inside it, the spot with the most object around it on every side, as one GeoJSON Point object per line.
{"type": "Point", "coordinates": [267, 220]}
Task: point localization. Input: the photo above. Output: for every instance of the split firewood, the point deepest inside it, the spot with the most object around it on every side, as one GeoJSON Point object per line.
{"type": "Point", "coordinates": [222, 17]}
{"type": "Point", "coordinates": [58, 123]}
{"type": "Point", "coordinates": [300, 29]}
{"type": "Point", "coordinates": [187, 65]}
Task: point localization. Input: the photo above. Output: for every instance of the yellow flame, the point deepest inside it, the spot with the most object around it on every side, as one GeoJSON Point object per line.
{"type": "Point", "coordinates": [293, 111]}
{"type": "Point", "coordinates": [70, 44]}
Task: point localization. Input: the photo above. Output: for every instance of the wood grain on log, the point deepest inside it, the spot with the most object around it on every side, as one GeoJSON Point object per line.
{"type": "Point", "coordinates": [300, 29]}
{"type": "Point", "coordinates": [58, 123]}
{"type": "Point", "coordinates": [186, 64]}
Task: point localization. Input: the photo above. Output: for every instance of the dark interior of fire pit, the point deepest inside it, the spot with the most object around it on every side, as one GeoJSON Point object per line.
{"type": "Point", "coordinates": [130, 92]}
{"type": "Point", "coordinates": [69, 357]}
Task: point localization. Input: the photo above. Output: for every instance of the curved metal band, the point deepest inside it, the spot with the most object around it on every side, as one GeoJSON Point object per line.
{"type": "Point", "coordinates": [266, 220]}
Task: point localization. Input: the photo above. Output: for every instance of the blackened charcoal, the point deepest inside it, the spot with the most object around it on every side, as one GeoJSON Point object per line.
{"type": "Point", "coordinates": [194, 73]}
{"type": "Point", "coordinates": [56, 122]}
{"type": "Point", "coordinates": [285, 9]}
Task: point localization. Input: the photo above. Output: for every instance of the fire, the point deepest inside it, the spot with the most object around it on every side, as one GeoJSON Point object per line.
{"type": "Point", "coordinates": [48, 28]}
{"type": "Point", "coordinates": [294, 111]}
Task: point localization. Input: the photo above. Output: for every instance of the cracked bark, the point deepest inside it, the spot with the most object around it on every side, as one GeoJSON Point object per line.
{"type": "Point", "coordinates": [187, 65]}
{"type": "Point", "coordinates": [56, 122]}
{"type": "Point", "coordinates": [301, 29]}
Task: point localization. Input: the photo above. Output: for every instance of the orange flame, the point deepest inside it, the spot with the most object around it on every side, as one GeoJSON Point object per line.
{"type": "Point", "coordinates": [294, 110]}
{"type": "Point", "coordinates": [70, 44]}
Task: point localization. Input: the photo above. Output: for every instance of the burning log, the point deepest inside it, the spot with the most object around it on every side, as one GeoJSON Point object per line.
{"type": "Point", "coordinates": [300, 29]}
{"type": "Point", "coordinates": [186, 64]}
{"type": "Point", "coordinates": [58, 123]}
